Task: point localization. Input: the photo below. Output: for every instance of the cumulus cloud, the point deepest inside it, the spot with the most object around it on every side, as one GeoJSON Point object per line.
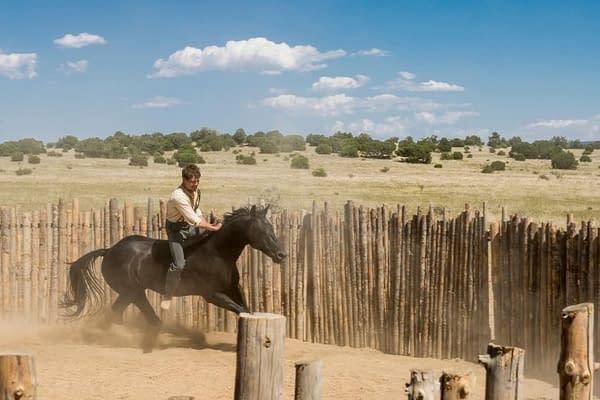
{"type": "Point", "coordinates": [325, 106]}
{"type": "Point", "coordinates": [158, 102]}
{"type": "Point", "coordinates": [75, 67]}
{"type": "Point", "coordinates": [374, 52]}
{"type": "Point", "coordinates": [255, 54]}
{"type": "Point", "coordinates": [329, 83]}
{"type": "Point", "coordinates": [406, 82]}
{"type": "Point", "coordinates": [343, 104]}
{"type": "Point", "coordinates": [446, 118]}
{"type": "Point", "coordinates": [407, 75]}
{"type": "Point", "coordinates": [18, 65]}
{"type": "Point", "coordinates": [558, 123]}
{"type": "Point", "coordinates": [390, 126]}
{"type": "Point", "coordinates": [80, 40]}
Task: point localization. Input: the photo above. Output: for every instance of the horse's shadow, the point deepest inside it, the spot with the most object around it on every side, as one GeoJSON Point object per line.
{"type": "Point", "coordinates": [131, 334]}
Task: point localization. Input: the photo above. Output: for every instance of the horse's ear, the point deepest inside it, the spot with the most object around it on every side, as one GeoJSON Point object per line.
{"type": "Point", "coordinates": [253, 210]}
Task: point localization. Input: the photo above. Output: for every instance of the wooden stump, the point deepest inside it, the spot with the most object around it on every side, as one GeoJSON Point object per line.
{"type": "Point", "coordinates": [260, 347]}
{"type": "Point", "coordinates": [308, 380]}
{"type": "Point", "coordinates": [422, 386]}
{"type": "Point", "coordinates": [504, 372]}
{"type": "Point", "coordinates": [17, 377]}
{"type": "Point", "coordinates": [576, 364]}
{"type": "Point", "coordinates": [456, 387]}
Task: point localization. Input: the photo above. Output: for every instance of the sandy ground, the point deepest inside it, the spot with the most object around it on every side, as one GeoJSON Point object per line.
{"type": "Point", "coordinates": [81, 362]}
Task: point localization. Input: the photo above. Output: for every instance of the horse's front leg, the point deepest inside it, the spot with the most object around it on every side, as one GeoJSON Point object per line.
{"type": "Point", "coordinates": [226, 301]}
{"type": "Point", "coordinates": [141, 301]}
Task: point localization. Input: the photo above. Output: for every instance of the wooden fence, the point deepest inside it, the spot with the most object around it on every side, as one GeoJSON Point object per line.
{"type": "Point", "coordinates": [422, 285]}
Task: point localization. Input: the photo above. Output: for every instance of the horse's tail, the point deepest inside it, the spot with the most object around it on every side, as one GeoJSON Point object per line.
{"type": "Point", "coordinates": [85, 288]}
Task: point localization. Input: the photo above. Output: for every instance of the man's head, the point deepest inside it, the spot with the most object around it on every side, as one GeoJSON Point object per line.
{"type": "Point", "coordinates": [190, 175]}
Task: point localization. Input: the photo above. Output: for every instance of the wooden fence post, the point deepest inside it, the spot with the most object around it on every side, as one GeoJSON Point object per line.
{"type": "Point", "coordinates": [260, 347]}
{"type": "Point", "coordinates": [576, 364]}
{"type": "Point", "coordinates": [308, 380]}
{"type": "Point", "coordinates": [17, 376]}
{"type": "Point", "coordinates": [456, 387]}
{"type": "Point", "coordinates": [504, 372]}
{"type": "Point", "coordinates": [422, 386]}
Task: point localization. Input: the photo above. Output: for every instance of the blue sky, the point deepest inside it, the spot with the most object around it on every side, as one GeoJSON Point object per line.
{"type": "Point", "coordinates": [387, 68]}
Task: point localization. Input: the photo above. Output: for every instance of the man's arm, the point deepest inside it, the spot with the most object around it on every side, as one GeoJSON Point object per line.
{"type": "Point", "coordinates": [204, 224]}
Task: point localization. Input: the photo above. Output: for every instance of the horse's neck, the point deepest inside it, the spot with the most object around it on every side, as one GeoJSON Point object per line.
{"type": "Point", "coordinates": [232, 238]}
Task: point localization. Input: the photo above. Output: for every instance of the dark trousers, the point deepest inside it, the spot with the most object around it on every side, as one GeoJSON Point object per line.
{"type": "Point", "coordinates": [178, 232]}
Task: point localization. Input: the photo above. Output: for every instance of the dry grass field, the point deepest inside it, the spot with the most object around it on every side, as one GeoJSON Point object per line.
{"type": "Point", "coordinates": [530, 188]}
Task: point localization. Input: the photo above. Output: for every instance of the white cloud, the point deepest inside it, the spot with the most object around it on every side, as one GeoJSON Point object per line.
{"type": "Point", "coordinates": [277, 90]}
{"type": "Point", "coordinates": [325, 106]}
{"type": "Point", "coordinates": [255, 54]}
{"type": "Point", "coordinates": [18, 65]}
{"type": "Point", "coordinates": [344, 104]}
{"type": "Point", "coordinates": [328, 83]}
{"type": "Point", "coordinates": [373, 52]}
{"type": "Point", "coordinates": [80, 40]}
{"type": "Point", "coordinates": [407, 75]}
{"type": "Point", "coordinates": [406, 82]}
{"type": "Point", "coordinates": [390, 126]}
{"type": "Point", "coordinates": [158, 102]}
{"type": "Point", "coordinates": [446, 118]}
{"type": "Point", "coordinates": [557, 123]}
{"type": "Point", "coordinates": [75, 67]}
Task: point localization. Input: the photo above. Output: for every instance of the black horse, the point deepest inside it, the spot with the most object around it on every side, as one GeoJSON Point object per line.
{"type": "Point", "coordinates": [137, 263]}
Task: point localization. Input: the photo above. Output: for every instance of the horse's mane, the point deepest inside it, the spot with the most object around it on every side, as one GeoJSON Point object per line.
{"type": "Point", "coordinates": [228, 218]}
{"type": "Point", "coordinates": [243, 212]}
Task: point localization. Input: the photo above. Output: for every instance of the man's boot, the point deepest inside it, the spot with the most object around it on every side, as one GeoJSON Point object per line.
{"type": "Point", "coordinates": [171, 284]}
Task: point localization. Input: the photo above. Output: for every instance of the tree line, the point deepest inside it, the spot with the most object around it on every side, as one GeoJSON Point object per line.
{"type": "Point", "coordinates": [184, 148]}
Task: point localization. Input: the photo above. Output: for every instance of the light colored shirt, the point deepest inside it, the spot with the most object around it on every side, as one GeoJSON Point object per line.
{"type": "Point", "coordinates": [184, 206]}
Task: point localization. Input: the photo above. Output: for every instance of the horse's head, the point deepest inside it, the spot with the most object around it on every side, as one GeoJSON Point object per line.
{"type": "Point", "coordinates": [261, 234]}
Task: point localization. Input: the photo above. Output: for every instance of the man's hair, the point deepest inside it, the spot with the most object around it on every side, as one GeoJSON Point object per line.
{"type": "Point", "coordinates": [190, 171]}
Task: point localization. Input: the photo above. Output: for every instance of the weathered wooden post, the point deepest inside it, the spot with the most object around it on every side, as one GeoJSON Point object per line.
{"type": "Point", "coordinates": [422, 386]}
{"type": "Point", "coordinates": [308, 380]}
{"type": "Point", "coordinates": [504, 372]}
{"type": "Point", "coordinates": [17, 376]}
{"type": "Point", "coordinates": [456, 387]}
{"type": "Point", "coordinates": [576, 364]}
{"type": "Point", "coordinates": [260, 347]}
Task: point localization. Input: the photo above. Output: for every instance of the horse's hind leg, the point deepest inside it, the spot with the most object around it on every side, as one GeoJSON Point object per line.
{"type": "Point", "coordinates": [141, 301]}
{"type": "Point", "coordinates": [118, 307]}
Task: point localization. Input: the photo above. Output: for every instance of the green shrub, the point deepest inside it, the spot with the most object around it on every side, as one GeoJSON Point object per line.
{"type": "Point", "coordinates": [159, 159]}
{"type": "Point", "coordinates": [384, 169]}
{"type": "Point", "coordinates": [487, 169]}
{"type": "Point", "coordinates": [33, 159]}
{"type": "Point", "coordinates": [457, 155]}
{"type": "Point", "coordinates": [438, 166]}
{"type": "Point", "coordinates": [319, 172]}
{"type": "Point", "coordinates": [564, 160]}
{"type": "Point", "coordinates": [187, 156]}
{"type": "Point", "coordinates": [171, 161]}
{"type": "Point", "coordinates": [519, 157]}
{"type": "Point", "coordinates": [138, 160]}
{"type": "Point", "coordinates": [501, 153]}
{"type": "Point", "coordinates": [17, 156]}
{"type": "Point", "coordinates": [585, 158]}
{"type": "Point", "coordinates": [349, 150]}
{"type": "Point", "coordinates": [469, 155]}
{"type": "Point", "coordinates": [492, 150]}
{"type": "Point", "coordinates": [445, 156]}
{"type": "Point", "coordinates": [324, 148]}
{"type": "Point", "coordinates": [299, 162]}
{"type": "Point", "coordinates": [498, 165]}
{"type": "Point", "coordinates": [23, 171]}
{"type": "Point", "coordinates": [79, 155]}
{"type": "Point", "coordinates": [54, 154]}
{"type": "Point", "coordinates": [245, 160]}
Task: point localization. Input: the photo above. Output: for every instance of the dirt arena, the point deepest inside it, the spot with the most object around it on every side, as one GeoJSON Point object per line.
{"type": "Point", "coordinates": [83, 362]}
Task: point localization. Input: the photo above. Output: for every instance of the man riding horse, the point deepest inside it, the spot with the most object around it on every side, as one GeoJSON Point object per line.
{"type": "Point", "coordinates": [184, 220]}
